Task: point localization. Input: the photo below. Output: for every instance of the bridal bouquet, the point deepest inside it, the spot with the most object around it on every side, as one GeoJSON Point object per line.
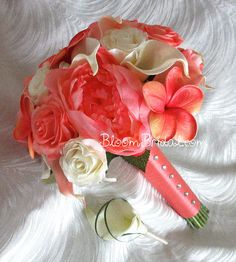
{"type": "Point", "coordinates": [117, 89]}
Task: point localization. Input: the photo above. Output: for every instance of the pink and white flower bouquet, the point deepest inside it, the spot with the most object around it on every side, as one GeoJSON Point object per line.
{"type": "Point", "coordinates": [119, 87]}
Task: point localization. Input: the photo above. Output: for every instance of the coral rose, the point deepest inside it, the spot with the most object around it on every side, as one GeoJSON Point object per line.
{"type": "Point", "coordinates": [22, 131]}
{"type": "Point", "coordinates": [51, 128]}
{"type": "Point", "coordinates": [195, 68]}
{"type": "Point", "coordinates": [161, 33]}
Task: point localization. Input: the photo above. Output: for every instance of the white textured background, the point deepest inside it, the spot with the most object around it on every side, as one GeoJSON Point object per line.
{"type": "Point", "coordinates": [39, 224]}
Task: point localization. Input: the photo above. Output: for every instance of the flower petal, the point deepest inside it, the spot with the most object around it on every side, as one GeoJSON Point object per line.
{"type": "Point", "coordinates": [86, 50]}
{"type": "Point", "coordinates": [174, 81]}
{"type": "Point", "coordinates": [163, 125]}
{"type": "Point", "coordinates": [64, 185]}
{"type": "Point", "coordinates": [196, 64]}
{"type": "Point", "coordinates": [155, 96]}
{"type": "Point", "coordinates": [154, 57]}
{"type": "Point", "coordinates": [188, 97]}
{"type": "Point", "coordinates": [132, 95]}
{"type": "Point", "coordinates": [186, 125]}
{"type": "Point", "coordinates": [86, 126]}
{"type": "Point", "coordinates": [108, 22]}
{"type": "Point", "coordinates": [23, 124]}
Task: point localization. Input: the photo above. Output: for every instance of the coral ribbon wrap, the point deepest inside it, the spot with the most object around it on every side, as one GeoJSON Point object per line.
{"type": "Point", "coordinates": [165, 178]}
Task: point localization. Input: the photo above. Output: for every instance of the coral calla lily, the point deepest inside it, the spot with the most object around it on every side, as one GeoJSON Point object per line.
{"type": "Point", "coordinates": [171, 108]}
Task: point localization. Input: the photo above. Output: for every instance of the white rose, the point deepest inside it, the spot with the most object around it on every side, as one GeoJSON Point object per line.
{"type": "Point", "coordinates": [122, 41]}
{"type": "Point", "coordinates": [84, 162]}
{"type": "Point", "coordinates": [36, 87]}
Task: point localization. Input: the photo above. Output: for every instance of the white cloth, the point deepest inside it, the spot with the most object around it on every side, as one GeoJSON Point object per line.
{"type": "Point", "coordinates": [39, 224]}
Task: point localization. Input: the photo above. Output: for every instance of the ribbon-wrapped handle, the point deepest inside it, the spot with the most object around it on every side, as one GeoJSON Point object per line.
{"type": "Point", "coordinates": [166, 179]}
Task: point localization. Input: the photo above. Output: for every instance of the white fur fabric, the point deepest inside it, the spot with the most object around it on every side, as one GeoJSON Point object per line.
{"type": "Point", "coordinates": [37, 223]}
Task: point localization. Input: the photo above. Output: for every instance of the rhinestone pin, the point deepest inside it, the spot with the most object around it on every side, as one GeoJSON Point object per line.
{"type": "Point", "coordinates": [155, 157]}
{"type": "Point", "coordinates": [164, 167]}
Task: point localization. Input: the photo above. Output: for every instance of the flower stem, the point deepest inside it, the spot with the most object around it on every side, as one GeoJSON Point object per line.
{"type": "Point", "coordinates": [200, 220]}
{"type": "Point", "coordinates": [156, 238]}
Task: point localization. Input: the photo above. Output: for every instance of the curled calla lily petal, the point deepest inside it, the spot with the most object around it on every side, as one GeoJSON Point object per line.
{"type": "Point", "coordinates": [117, 220]}
{"type": "Point", "coordinates": [86, 50]}
{"type": "Point", "coordinates": [37, 88]}
{"type": "Point", "coordinates": [154, 57]}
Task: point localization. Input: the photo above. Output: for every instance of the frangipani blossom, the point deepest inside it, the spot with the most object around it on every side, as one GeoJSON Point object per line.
{"type": "Point", "coordinates": [172, 107]}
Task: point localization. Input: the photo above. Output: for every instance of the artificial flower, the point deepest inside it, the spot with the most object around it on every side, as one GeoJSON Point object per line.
{"type": "Point", "coordinates": [103, 103]}
{"type": "Point", "coordinates": [23, 131]}
{"type": "Point", "coordinates": [155, 32]}
{"type": "Point", "coordinates": [161, 33]}
{"type": "Point", "coordinates": [51, 128]}
{"type": "Point", "coordinates": [121, 42]}
{"type": "Point", "coordinates": [65, 54]}
{"type": "Point", "coordinates": [118, 220]}
{"type": "Point", "coordinates": [86, 50]}
{"type": "Point", "coordinates": [23, 124]}
{"type": "Point", "coordinates": [195, 70]}
{"type": "Point", "coordinates": [153, 58]}
{"type": "Point", "coordinates": [65, 187]}
{"type": "Point", "coordinates": [98, 98]}
{"type": "Point", "coordinates": [172, 108]}
{"type": "Point", "coordinates": [128, 42]}
{"type": "Point", "coordinates": [196, 64]}
{"type": "Point", "coordinates": [84, 162]}
{"type": "Point", "coordinates": [36, 89]}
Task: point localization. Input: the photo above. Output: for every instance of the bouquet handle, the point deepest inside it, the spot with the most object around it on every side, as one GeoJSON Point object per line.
{"type": "Point", "coordinates": [168, 182]}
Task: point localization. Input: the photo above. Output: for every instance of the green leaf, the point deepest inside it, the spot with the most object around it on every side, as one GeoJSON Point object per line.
{"type": "Point", "coordinates": [137, 161]}
{"type": "Point", "coordinates": [50, 180]}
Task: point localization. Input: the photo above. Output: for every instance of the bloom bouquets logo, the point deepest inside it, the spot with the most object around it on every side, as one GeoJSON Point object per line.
{"type": "Point", "coordinates": [117, 89]}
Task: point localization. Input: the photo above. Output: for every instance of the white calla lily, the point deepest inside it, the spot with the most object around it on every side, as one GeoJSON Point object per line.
{"type": "Point", "coordinates": [154, 57]}
{"type": "Point", "coordinates": [118, 220]}
{"type": "Point", "coordinates": [86, 50]}
{"type": "Point", "coordinates": [36, 87]}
